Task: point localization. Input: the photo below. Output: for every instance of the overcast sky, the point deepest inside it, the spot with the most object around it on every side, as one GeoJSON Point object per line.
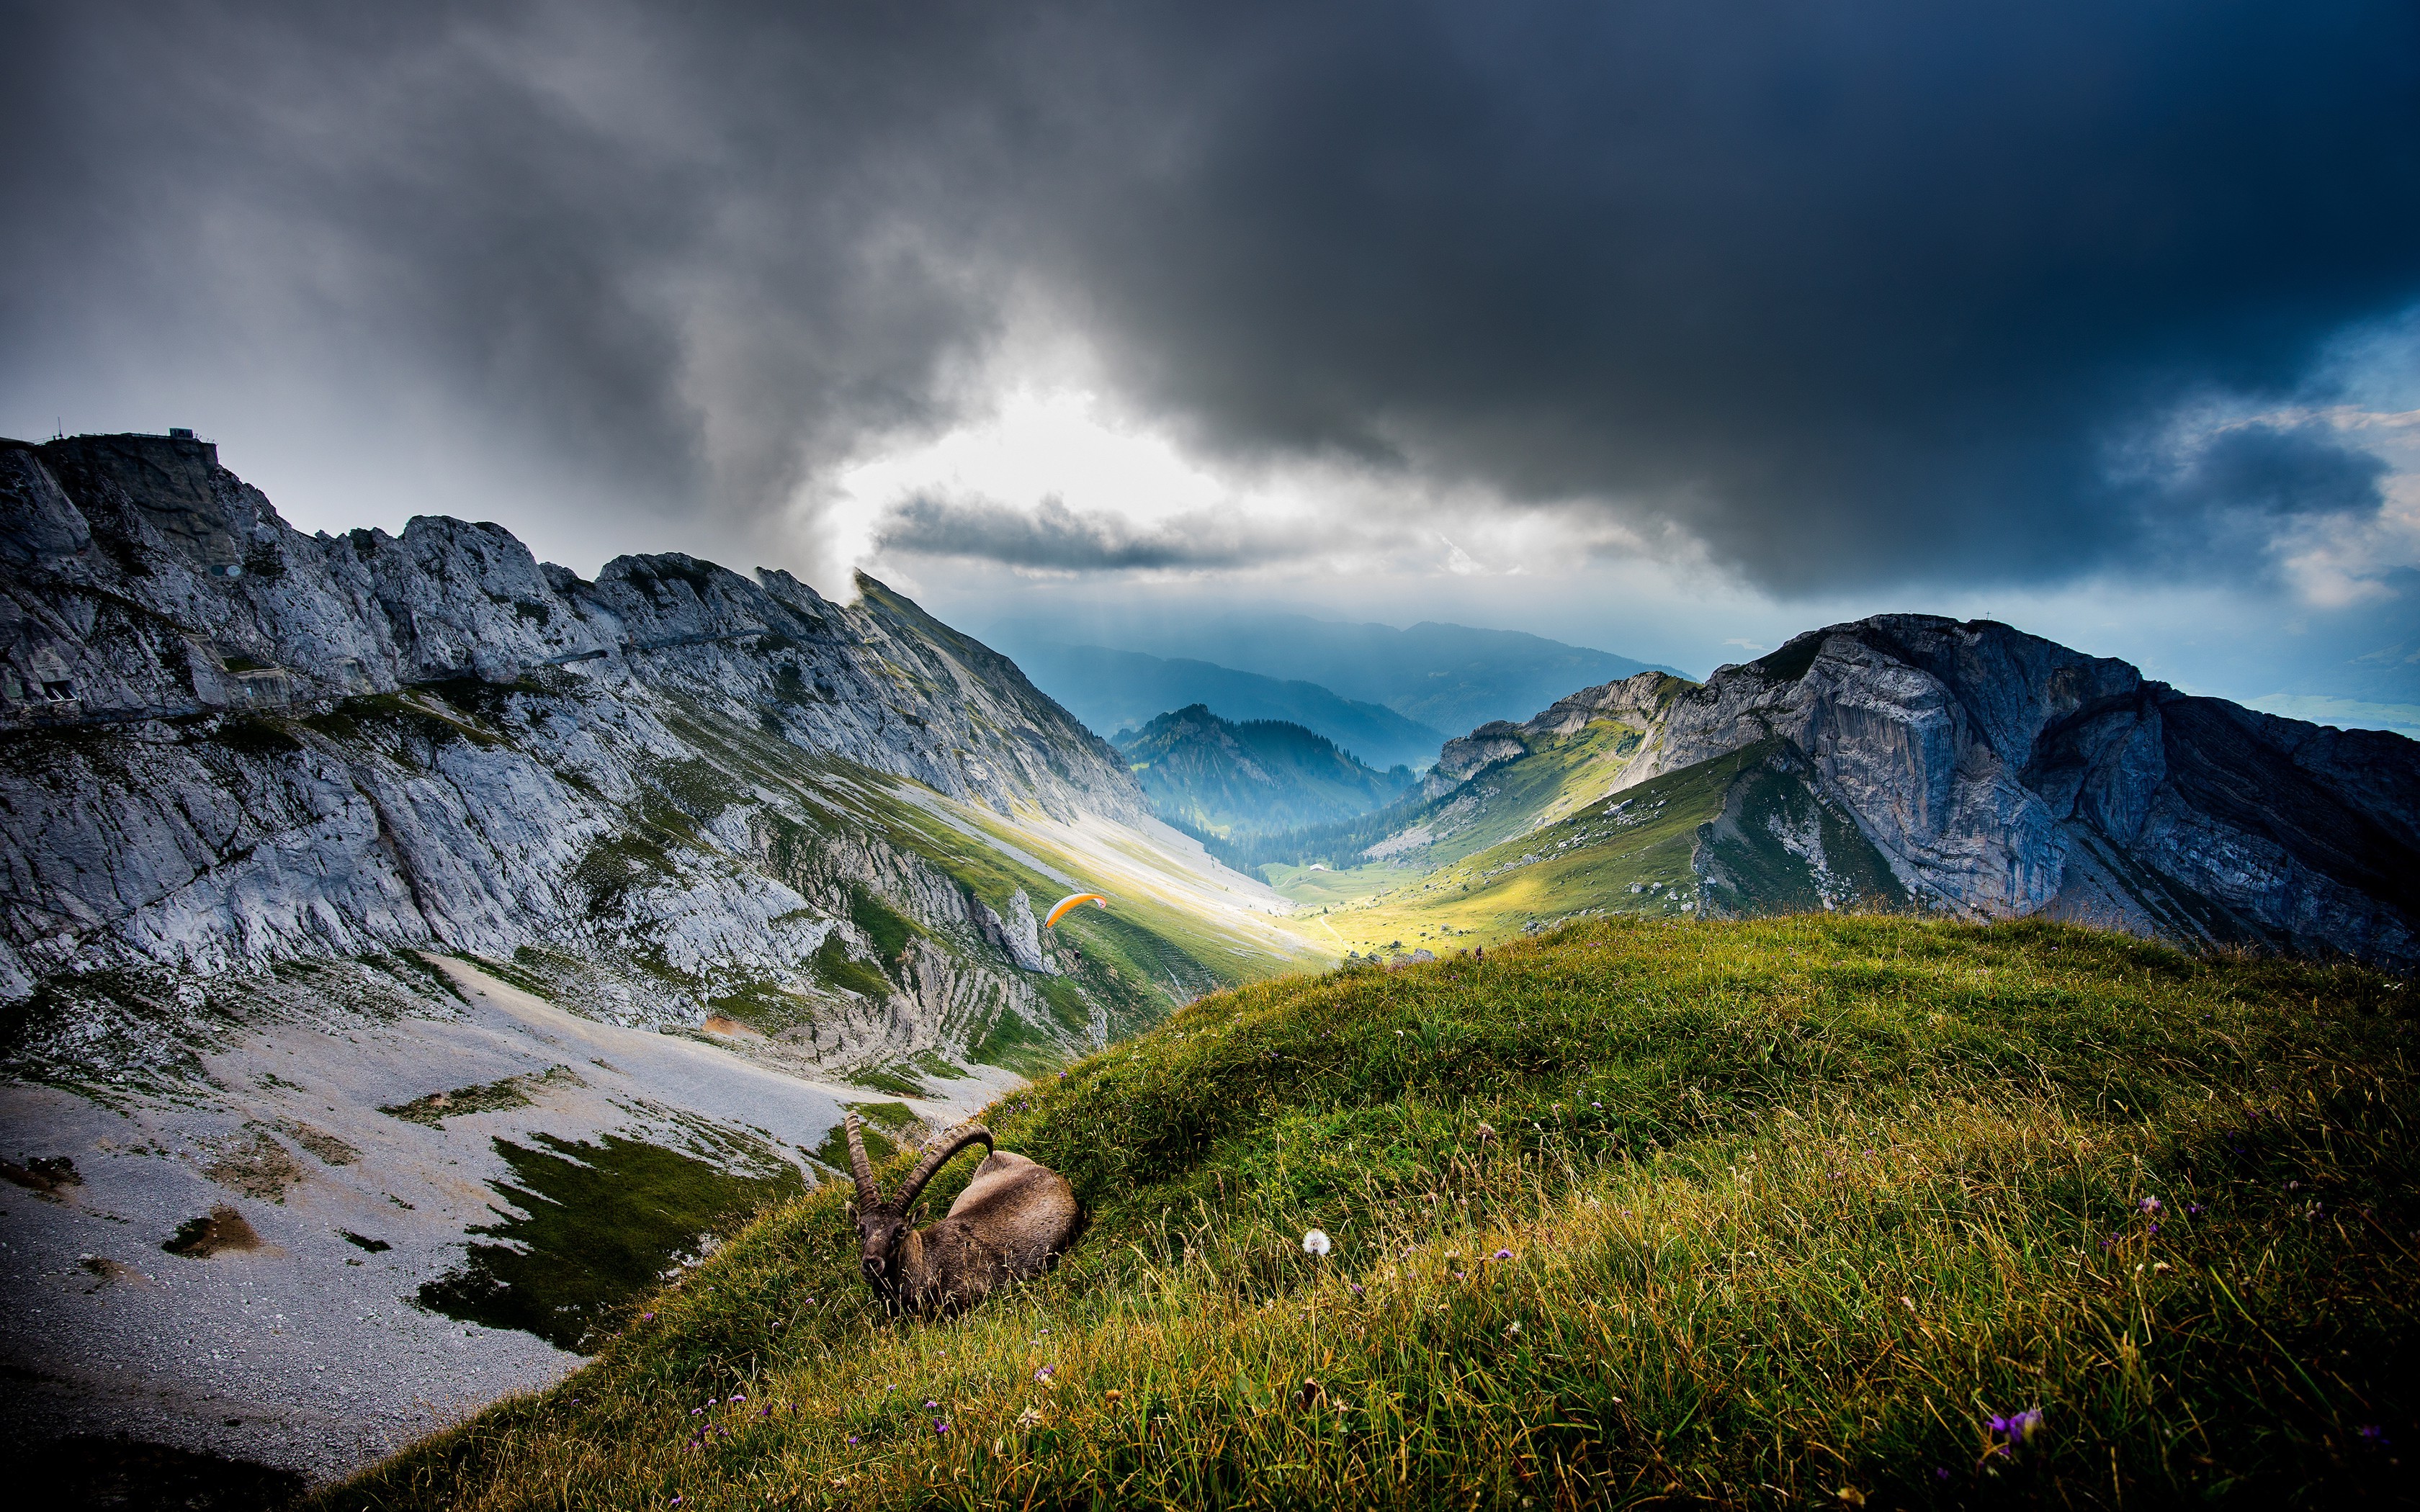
{"type": "Point", "coordinates": [1668, 328]}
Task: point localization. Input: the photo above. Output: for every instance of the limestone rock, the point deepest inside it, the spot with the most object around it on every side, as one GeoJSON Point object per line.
{"type": "Point", "coordinates": [2002, 775]}
{"type": "Point", "coordinates": [225, 743]}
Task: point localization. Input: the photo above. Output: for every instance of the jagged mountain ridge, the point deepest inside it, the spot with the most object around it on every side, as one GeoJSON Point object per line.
{"type": "Point", "coordinates": [1966, 767]}
{"type": "Point", "coordinates": [1229, 778]}
{"type": "Point", "coordinates": [110, 589]}
{"type": "Point", "coordinates": [236, 744]}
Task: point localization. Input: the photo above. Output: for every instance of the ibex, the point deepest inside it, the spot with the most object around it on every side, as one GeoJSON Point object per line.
{"type": "Point", "coordinates": [1015, 1216]}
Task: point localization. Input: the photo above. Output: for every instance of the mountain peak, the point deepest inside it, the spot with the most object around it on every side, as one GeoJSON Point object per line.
{"type": "Point", "coordinates": [1225, 778]}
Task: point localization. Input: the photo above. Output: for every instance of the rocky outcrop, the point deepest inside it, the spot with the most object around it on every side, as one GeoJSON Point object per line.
{"type": "Point", "coordinates": [225, 743]}
{"type": "Point", "coordinates": [2002, 775]}
{"type": "Point", "coordinates": [1638, 700]}
{"type": "Point", "coordinates": [1466, 756]}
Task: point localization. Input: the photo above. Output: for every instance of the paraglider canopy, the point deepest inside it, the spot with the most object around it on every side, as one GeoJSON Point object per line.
{"type": "Point", "coordinates": [1064, 905]}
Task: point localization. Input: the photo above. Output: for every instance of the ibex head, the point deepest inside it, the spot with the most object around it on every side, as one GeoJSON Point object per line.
{"type": "Point", "coordinates": [882, 1227]}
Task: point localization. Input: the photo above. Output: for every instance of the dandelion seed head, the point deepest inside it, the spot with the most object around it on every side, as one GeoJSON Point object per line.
{"type": "Point", "coordinates": [1315, 1242]}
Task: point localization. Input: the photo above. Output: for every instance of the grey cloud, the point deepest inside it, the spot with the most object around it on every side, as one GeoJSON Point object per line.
{"type": "Point", "coordinates": [2279, 472]}
{"type": "Point", "coordinates": [2221, 510]}
{"type": "Point", "coordinates": [1850, 294]}
{"type": "Point", "coordinates": [1057, 538]}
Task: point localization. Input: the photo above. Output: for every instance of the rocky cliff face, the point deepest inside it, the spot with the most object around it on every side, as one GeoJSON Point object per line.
{"type": "Point", "coordinates": [227, 744]}
{"type": "Point", "coordinates": [1638, 700]}
{"type": "Point", "coordinates": [2002, 775]}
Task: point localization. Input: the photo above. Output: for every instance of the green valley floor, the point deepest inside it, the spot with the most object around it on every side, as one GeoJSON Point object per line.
{"type": "Point", "coordinates": [1827, 1210]}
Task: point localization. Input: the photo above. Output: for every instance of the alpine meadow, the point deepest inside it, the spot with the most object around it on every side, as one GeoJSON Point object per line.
{"type": "Point", "coordinates": [1864, 1211]}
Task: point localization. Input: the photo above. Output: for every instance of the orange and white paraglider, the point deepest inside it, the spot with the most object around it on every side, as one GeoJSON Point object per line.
{"type": "Point", "coordinates": [1069, 904]}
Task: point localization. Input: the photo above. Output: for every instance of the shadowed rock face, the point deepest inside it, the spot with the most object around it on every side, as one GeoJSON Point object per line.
{"type": "Point", "coordinates": [2003, 774]}
{"type": "Point", "coordinates": [225, 743]}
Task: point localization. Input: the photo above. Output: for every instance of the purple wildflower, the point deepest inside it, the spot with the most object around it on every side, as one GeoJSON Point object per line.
{"type": "Point", "coordinates": [1939, 1472]}
{"type": "Point", "coordinates": [854, 1439]}
{"type": "Point", "coordinates": [2194, 1209]}
{"type": "Point", "coordinates": [2149, 1204]}
{"type": "Point", "coordinates": [2155, 1228]}
{"type": "Point", "coordinates": [939, 1427]}
{"type": "Point", "coordinates": [741, 1397]}
{"type": "Point", "coordinates": [1355, 1286]}
{"type": "Point", "coordinates": [931, 1406]}
{"type": "Point", "coordinates": [646, 1318]}
{"type": "Point", "coordinates": [1504, 1255]}
{"type": "Point", "coordinates": [2018, 1430]}
{"type": "Point", "coordinates": [2374, 1436]}
{"type": "Point", "coordinates": [1046, 1373]}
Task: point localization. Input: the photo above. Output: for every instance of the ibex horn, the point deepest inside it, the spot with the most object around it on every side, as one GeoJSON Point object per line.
{"type": "Point", "coordinates": [867, 1192]}
{"type": "Point", "coordinates": [936, 1155]}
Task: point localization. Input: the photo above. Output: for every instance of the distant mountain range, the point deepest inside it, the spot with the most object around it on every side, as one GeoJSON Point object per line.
{"type": "Point", "coordinates": [1444, 677]}
{"type": "Point", "coordinates": [1224, 778]}
{"type": "Point", "coordinates": [1904, 762]}
{"type": "Point", "coordinates": [1112, 690]}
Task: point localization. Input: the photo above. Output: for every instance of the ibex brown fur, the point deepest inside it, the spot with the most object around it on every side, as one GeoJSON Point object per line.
{"type": "Point", "coordinates": [1012, 1220]}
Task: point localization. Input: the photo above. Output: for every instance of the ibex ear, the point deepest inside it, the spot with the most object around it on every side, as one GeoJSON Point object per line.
{"type": "Point", "coordinates": [923, 1213]}
{"type": "Point", "coordinates": [852, 1211]}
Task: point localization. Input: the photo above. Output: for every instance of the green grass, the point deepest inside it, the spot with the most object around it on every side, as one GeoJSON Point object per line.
{"type": "Point", "coordinates": [488, 1097]}
{"type": "Point", "coordinates": [834, 964]}
{"type": "Point", "coordinates": [767, 1007]}
{"type": "Point", "coordinates": [1587, 862]}
{"type": "Point", "coordinates": [597, 1224]}
{"type": "Point", "coordinates": [1788, 1210]}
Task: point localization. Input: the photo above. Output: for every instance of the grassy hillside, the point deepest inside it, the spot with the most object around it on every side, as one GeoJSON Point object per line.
{"type": "Point", "coordinates": [1800, 1212]}
{"type": "Point", "coordinates": [1557, 776]}
{"type": "Point", "coordinates": [1773, 847]}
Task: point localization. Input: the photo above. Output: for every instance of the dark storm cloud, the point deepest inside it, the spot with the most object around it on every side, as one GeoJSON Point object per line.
{"type": "Point", "coordinates": [1057, 538]}
{"type": "Point", "coordinates": [1850, 293]}
{"type": "Point", "coordinates": [2247, 486]}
